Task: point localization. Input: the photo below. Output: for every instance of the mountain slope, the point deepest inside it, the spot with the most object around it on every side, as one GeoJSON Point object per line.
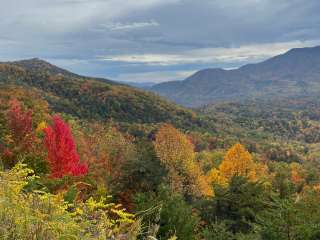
{"type": "Point", "coordinates": [92, 98]}
{"type": "Point", "coordinates": [295, 73]}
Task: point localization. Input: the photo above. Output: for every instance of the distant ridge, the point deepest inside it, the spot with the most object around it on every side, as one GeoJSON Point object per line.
{"type": "Point", "coordinates": [295, 73]}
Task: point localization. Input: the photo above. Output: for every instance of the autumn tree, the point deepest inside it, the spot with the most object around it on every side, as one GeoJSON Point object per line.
{"type": "Point", "coordinates": [214, 176]}
{"type": "Point", "coordinates": [176, 153]}
{"type": "Point", "coordinates": [238, 161]}
{"type": "Point", "coordinates": [20, 125]}
{"type": "Point", "coordinates": [62, 155]}
{"type": "Point", "coordinates": [18, 138]}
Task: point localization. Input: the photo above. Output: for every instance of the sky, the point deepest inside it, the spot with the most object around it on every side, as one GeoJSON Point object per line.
{"type": "Point", "coordinates": [154, 40]}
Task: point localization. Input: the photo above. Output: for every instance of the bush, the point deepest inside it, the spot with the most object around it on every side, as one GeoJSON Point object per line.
{"type": "Point", "coordinates": [41, 215]}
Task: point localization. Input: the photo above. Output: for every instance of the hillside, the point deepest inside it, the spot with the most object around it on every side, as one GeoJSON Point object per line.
{"type": "Point", "coordinates": [295, 119]}
{"type": "Point", "coordinates": [295, 73]}
{"type": "Point", "coordinates": [92, 98]}
{"type": "Point", "coordinates": [81, 158]}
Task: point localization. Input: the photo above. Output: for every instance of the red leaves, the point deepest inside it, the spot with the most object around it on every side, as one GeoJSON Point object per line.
{"type": "Point", "coordinates": [20, 124]}
{"type": "Point", "coordinates": [62, 154]}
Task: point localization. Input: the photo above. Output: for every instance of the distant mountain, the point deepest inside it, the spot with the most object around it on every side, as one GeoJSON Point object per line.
{"type": "Point", "coordinates": [295, 73]}
{"type": "Point", "coordinates": [92, 98]}
{"type": "Point", "coordinates": [142, 85]}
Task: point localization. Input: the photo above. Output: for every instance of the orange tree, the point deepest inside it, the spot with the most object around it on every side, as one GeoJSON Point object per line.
{"type": "Point", "coordinates": [238, 161]}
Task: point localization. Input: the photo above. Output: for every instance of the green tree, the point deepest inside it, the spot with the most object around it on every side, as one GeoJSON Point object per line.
{"type": "Point", "coordinates": [143, 173]}
{"type": "Point", "coordinates": [236, 204]}
{"type": "Point", "coordinates": [176, 216]}
{"type": "Point", "coordinates": [292, 219]}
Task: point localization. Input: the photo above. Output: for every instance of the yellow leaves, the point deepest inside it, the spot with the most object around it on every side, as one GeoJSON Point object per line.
{"type": "Point", "coordinates": [172, 146]}
{"type": "Point", "coordinates": [41, 215]}
{"type": "Point", "coordinates": [214, 177]}
{"type": "Point", "coordinates": [41, 126]}
{"type": "Point", "coordinates": [200, 185]}
{"type": "Point", "coordinates": [176, 153]}
{"type": "Point", "coordinates": [238, 161]}
{"type": "Point", "coordinates": [204, 187]}
{"type": "Point", "coordinates": [173, 238]}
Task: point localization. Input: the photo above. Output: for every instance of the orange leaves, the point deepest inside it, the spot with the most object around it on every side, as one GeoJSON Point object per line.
{"type": "Point", "coordinates": [297, 173]}
{"type": "Point", "coordinates": [176, 153]}
{"type": "Point", "coordinates": [238, 161]}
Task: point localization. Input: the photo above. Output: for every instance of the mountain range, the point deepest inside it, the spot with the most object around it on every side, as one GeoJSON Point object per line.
{"type": "Point", "coordinates": [295, 73]}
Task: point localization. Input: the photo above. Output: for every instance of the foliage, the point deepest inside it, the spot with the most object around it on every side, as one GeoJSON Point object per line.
{"type": "Point", "coordinates": [176, 216]}
{"type": "Point", "coordinates": [236, 205]}
{"type": "Point", "coordinates": [62, 155]}
{"type": "Point", "coordinates": [176, 153]}
{"type": "Point", "coordinates": [188, 178]}
{"type": "Point", "coordinates": [292, 218]}
{"type": "Point", "coordinates": [145, 172]}
{"type": "Point", "coordinates": [238, 162]}
{"type": "Point", "coordinates": [217, 231]}
{"type": "Point", "coordinates": [92, 98]}
{"type": "Point", "coordinates": [20, 136]}
{"type": "Point", "coordinates": [40, 215]}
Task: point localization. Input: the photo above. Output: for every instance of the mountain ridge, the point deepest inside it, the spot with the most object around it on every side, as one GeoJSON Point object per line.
{"type": "Point", "coordinates": [294, 73]}
{"type": "Point", "coordinates": [92, 98]}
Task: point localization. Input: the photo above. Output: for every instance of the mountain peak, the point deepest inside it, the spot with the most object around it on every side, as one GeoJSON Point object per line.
{"type": "Point", "coordinates": [37, 64]}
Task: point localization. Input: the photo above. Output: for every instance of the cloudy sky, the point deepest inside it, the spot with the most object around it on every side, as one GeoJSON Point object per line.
{"type": "Point", "coordinates": [154, 40]}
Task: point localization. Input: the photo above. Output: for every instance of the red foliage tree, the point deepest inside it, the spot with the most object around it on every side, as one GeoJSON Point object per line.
{"type": "Point", "coordinates": [62, 154]}
{"type": "Point", "coordinates": [20, 124]}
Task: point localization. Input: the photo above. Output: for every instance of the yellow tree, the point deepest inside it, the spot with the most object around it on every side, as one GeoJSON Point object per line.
{"type": "Point", "coordinates": [238, 161]}
{"type": "Point", "coordinates": [215, 177]}
{"type": "Point", "coordinates": [176, 153]}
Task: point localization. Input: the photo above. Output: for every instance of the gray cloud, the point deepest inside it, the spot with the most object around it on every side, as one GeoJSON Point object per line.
{"type": "Point", "coordinates": [147, 37]}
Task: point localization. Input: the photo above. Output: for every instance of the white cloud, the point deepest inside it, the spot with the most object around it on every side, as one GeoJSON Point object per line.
{"type": "Point", "coordinates": [247, 53]}
{"type": "Point", "coordinates": [118, 26]}
{"type": "Point", "coordinates": [155, 76]}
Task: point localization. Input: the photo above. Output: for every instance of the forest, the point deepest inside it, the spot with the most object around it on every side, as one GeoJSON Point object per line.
{"type": "Point", "coordinates": [83, 158]}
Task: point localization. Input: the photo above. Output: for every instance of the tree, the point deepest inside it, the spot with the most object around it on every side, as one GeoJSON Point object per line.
{"type": "Point", "coordinates": [217, 231]}
{"type": "Point", "coordinates": [282, 181]}
{"type": "Point", "coordinates": [176, 216]}
{"type": "Point", "coordinates": [62, 155]}
{"type": "Point", "coordinates": [176, 153]}
{"type": "Point", "coordinates": [214, 177]}
{"type": "Point", "coordinates": [236, 204]}
{"type": "Point", "coordinates": [145, 172]}
{"type": "Point", "coordinates": [238, 161]}
{"type": "Point", "coordinates": [19, 139]}
{"type": "Point", "coordinates": [291, 218]}
{"type": "Point", "coordinates": [20, 124]}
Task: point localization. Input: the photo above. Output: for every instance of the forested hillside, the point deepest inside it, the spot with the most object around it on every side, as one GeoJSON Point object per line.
{"type": "Point", "coordinates": [92, 98]}
{"type": "Point", "coordinates": [85, 158]}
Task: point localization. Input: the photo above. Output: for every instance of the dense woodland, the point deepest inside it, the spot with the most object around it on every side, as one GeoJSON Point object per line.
{"type": "Point", "coordinates": [85, 158]}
